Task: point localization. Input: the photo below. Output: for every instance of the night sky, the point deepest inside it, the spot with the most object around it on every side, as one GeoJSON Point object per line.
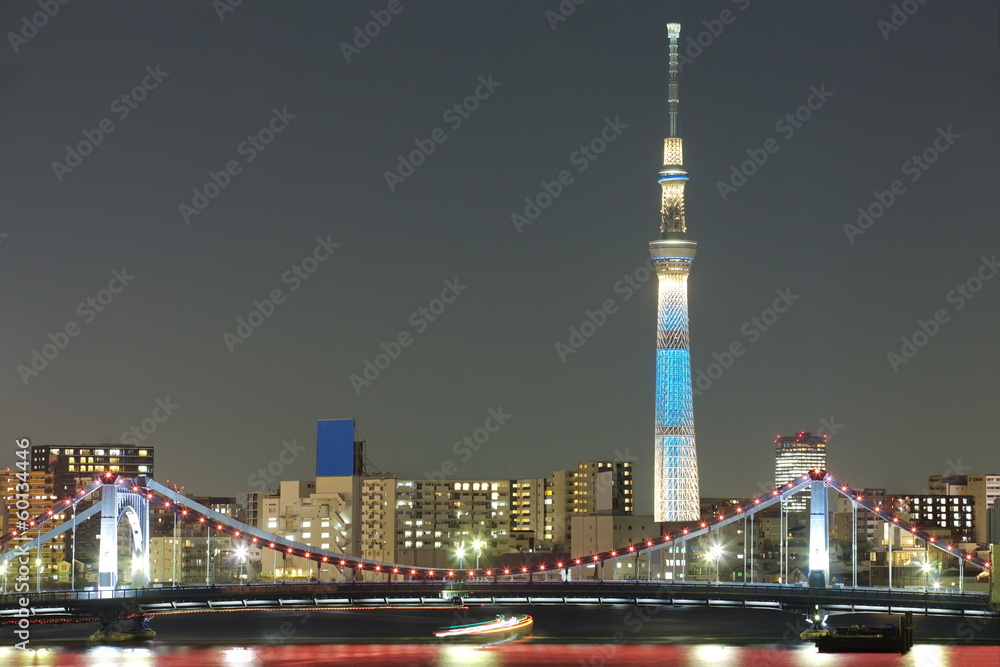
{"type": "Point", "coordinates": [391, 246]}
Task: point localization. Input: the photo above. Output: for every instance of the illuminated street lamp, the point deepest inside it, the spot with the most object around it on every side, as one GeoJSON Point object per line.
{"type": "Point", "coordinates": [715, 553]}
{"type": "Point", "coordinates": [478, 546]}
{"type": "Point", "coordinates": [926, 567]}
{"type": "Point", "coordinates": [241, 554]}
{"type": "Point", "coordinates": [460, 554]}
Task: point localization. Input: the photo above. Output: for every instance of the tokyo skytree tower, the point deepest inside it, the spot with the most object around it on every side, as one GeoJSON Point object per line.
{"type": "Point", "coordinates": [676, 496]}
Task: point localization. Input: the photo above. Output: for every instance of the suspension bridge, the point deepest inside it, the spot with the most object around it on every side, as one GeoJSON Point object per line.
{"type": "Point", "coordinates": [367, 583]}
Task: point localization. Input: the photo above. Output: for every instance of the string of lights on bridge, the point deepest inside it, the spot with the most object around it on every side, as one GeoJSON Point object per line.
{"type": "Point", "coordinates": [345, 562]}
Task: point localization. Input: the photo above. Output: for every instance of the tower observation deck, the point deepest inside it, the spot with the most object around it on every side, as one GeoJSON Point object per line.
{"type": "Point", "coordinates": [676, 495]}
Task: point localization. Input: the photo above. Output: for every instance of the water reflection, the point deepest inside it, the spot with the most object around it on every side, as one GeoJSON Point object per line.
{"type": "Point", "coordinates": [507, 655]}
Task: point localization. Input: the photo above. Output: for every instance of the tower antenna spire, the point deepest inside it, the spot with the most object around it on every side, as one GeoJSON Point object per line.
{"type": "Point", "coordinates": [673, 96]}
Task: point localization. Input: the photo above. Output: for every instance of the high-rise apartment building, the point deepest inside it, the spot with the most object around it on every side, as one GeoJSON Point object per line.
{"type": "Point", "coordinates": [317, 513]}
{"type": "Point", "coordinates": [447, 523]}
{"type": "Point", "coordinates": [49, 567]}
{"type": "Point", "coordinates": [950, 516]}
{"type": "Point", "coordinates": [985, 490]}
{"type": "Point", "coordinates": [74, 466]}
{"type": "Point", "coordinates": [795, 455]}
{"type": "Point", "coordinates": [544, 506]}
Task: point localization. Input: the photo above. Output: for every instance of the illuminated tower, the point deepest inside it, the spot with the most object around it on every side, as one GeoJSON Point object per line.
{"type": "Point", "coordinates": [676, 475]}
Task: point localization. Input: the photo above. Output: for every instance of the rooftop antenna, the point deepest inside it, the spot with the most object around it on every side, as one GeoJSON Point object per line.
{"type": "Point", "coordinates": [673, 99]}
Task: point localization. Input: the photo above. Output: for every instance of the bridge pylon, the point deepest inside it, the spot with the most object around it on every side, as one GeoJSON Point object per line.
{"type": "Point", "coordinates": [819, 531]}
{"type": "Point", "coordinates": [118, 503]}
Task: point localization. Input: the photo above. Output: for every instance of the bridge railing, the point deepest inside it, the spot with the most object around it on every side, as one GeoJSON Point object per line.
{"type": "Point", "coordinates": [499, 588]}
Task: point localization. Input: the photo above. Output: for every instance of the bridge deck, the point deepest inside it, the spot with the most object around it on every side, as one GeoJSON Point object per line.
{"type": "Point", "coordinates": [374, 593]}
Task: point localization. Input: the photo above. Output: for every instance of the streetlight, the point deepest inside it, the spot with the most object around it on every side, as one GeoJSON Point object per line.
{"type": "Point", "coordinates": [241, 554]}
{"type": "Point", "coordinates": [715, 553]}
{"type": "Point", "coordinates": [460, 554]}
{"type": "Point", "coordinates": [478, 546]}
{"type": "Point", "coordinates": [926, 567]}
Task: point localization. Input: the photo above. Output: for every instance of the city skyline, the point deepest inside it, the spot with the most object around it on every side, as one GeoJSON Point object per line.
{"type": "Point", "coordinates": [796, 307]}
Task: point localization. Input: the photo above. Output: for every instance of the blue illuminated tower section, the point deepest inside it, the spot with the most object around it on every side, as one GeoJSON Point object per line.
{"type": "Point", "coordinates": [676, 494]}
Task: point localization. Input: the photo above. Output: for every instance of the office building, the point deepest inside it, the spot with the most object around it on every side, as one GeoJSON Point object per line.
{"type": "Point", "coordinates": [795, 455]}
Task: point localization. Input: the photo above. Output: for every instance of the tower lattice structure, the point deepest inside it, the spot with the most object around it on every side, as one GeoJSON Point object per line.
{"type": "Point", "coordinates": [676, 494]}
